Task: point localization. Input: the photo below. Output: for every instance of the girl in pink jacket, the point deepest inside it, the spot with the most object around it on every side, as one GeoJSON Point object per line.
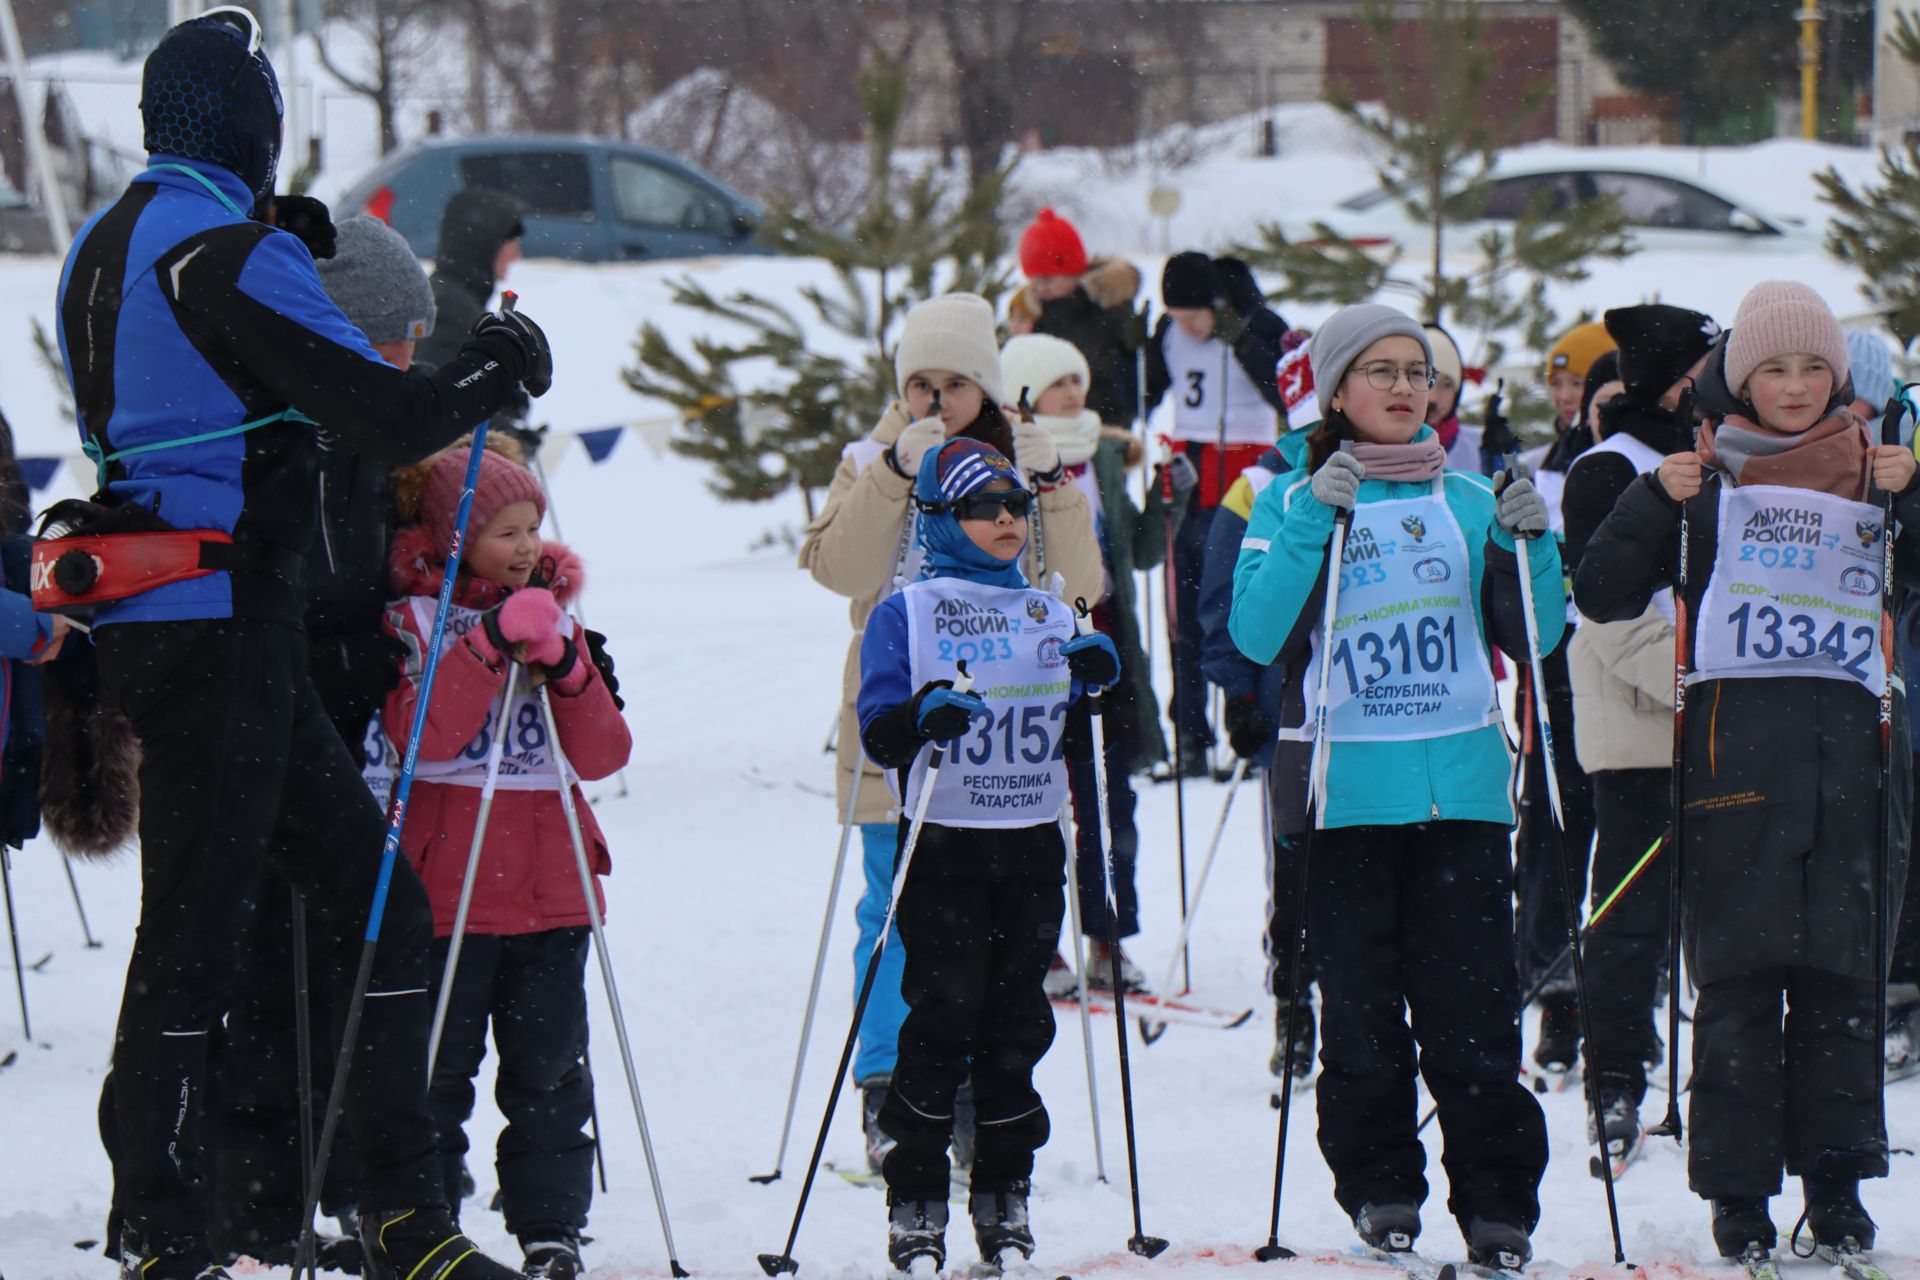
{"type": "Point", "coordinates": [523, 964]}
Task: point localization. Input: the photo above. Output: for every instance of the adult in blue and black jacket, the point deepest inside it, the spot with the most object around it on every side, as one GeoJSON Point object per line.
{"type": "Point", "coordinates": [201, 349]}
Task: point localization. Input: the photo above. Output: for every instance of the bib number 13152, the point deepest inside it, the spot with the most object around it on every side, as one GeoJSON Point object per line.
{"type": "Point", "coordinates": [1430, 647]}
{"type": "Point", "coordinates": [1767, 633]}
{"type": "Point", "coordinates": [1018, 735]}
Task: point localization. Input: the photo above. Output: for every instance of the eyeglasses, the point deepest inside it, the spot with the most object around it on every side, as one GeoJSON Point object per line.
{"type": "Point", "coordinates": [1384, 375]}
{"type": "Point", "coordinates": [986, 504]}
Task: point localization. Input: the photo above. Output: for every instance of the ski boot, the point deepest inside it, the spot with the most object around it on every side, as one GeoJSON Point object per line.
{"type": "Point", "coordinates": [1497, 1246]}
{"type": "Point", "coordinates": [1903, 1032]}
{"type": "Point", "coordinates": [1061, 982]}
{"type": "Point", "coordinates": [552, 1253]}
{"type": "Point", "coordinates": [1100, 968]}
{"type": "Point", "coordinates": [144, 1259]}
{"type": "Point", "coordinates": [873, 1096]}
{"type": "Point", "coordinates": [1303, 1046]}
{"type": "Point", "coordinates": [1740, 1226]}
{"type": "Point", "coordinates": [1388, 1226]}
{"type": "Point", "coordinates": [1834, 1212]}
{"type": "Point", "coordinates": [917, 1229]}
{"type": "Point", "coordinates": [1557, 1051]}
{"type": "Point", "coordinates": [404, 1244]}
{"type": "Point", "coordinates": [1619, 1116]}
{"type": "Point", "coordinates": [1000, 1223]}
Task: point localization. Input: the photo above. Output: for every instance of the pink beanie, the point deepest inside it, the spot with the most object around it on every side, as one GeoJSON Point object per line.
{"type": "Point", "coordinates": [1778, 318]}
{"type": "Point", "coordinates": [502, 483]}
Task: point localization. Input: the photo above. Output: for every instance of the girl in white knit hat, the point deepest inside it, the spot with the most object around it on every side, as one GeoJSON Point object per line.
{"type": "Point", "coordinates": [863, 546]}
{"type": "Point", "coordinates": [1781, 806]}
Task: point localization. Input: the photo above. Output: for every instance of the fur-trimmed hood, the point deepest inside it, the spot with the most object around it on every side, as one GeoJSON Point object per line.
{"type": "Point", "coordinates": [1109, 282]}
{"type": "Point", "coordinates": [418, 565]}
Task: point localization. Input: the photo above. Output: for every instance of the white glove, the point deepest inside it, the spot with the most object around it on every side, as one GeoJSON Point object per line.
{"type": "Point", "coordinates": [913, 442]}
{"type": "Point", "coordinates": [1522, 511]}
{"type": "Point", "coordinates": [1337, 482]}
{"type": "Point", "coordinates": [1034, 451]}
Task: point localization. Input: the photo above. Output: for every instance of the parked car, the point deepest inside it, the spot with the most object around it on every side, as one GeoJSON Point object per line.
{"type": "Point", "coordinates": [588, 199]}
{"type": "Point", "coordinates": [1662, 210]}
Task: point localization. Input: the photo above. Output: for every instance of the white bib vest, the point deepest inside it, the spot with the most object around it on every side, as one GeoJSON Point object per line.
{"type": "Point", "coordinates": [1007, 769]}
{"type": "Point", "coordinates": [1407, 658]}
{"type": "Point", "coordinates": [1645, 459]}
{"type": "Point", "coordinates": [1204, 375]}
{"type": "Point", "coordinates": [1795, 589]}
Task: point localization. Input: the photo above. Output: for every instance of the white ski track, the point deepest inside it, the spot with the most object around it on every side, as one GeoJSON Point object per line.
{"type": "Point", "coordinates": [753, 776]}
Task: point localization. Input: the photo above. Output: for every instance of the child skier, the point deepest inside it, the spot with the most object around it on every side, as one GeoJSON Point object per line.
{"type": "Point", "coordinates": [1781, 507]}
{"type": "Point", "coordinates": [1410, 879]}
{"type": "Point", "coordinates": [980, 909]}
{"type": "Point", "coordinates": [523, 962]}
{"type": "Point", "coordinates": [863, 546]}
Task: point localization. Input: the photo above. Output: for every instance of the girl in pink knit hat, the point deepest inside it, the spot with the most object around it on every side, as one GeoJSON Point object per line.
{"type": "Point", "coordinates": [1781, 803]}
{"type": "Point", "coordinates": [523, 962]}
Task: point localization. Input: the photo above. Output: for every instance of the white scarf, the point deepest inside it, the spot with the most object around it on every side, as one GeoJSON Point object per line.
{"type": "Point", "coordinates": [1077, 438]}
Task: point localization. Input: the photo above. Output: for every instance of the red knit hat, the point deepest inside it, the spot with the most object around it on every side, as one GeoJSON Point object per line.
{"type": "Point", "coordinates": [502, 483]}
{"type": "Point", "coordinates": [1051, 247]}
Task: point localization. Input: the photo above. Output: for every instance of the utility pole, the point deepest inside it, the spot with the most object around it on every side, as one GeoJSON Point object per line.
{"type": "Point", "coordinates": [1809, 19]}
{"type": "Point", "coordinates": [52, 198]}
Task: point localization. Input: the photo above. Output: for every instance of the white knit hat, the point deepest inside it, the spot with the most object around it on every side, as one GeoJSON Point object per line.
{"type": "Point", "coordinates": [1035, 361]}
{"type": "Point", "coordinates": [954, 332]}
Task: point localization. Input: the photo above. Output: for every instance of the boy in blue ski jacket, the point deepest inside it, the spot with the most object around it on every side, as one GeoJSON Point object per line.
{"type": "Point", "coordinates": [980, 907]}
{"type": "Point", "coordinates": [1404, 795]}
{"type": "Point", "coordinates": [202, 349]}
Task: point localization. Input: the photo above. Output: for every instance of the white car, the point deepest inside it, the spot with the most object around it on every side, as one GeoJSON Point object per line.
{"type": "Point", "coordinates": [1664, 211]}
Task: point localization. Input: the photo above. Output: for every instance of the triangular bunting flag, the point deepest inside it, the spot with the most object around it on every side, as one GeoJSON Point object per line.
{"type": "Point", "coordinates": [84, 473]}
{"type": "Point", "coordinates": [39, 472]}
{"type": "Point", "coordinates": [602, 442]}
{"type": "Point", "coordinates": [654, 433]}
{"type": "Point", "coordinates": [553, 449]}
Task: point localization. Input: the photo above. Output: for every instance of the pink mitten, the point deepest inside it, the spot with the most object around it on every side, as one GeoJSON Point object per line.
{"type": "Point", "coordinates": [531, 616]}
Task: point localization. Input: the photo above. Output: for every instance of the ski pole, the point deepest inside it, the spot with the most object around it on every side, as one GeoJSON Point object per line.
{"type": "Point", "coordinates": [1179, 747]}
{"type": "Point", "coordinates": [775, 1264]}
{"type": "Point", "coordinates": [459, 936]}
{"type": "Point", "coordinates": [1273, 1250]}
{"type": "Point", "coordinates": [819, 969]}
{"type": "Point", "coordinates": [596, 926]}
{"type": "Point", "coordinates": [303, 1068]}
{"type": "Point", "coordinates": [1144, 1245]}
{"type": "Point", "coordinates": [1150, 1031]}
{"type": "Point", "coordinates": [1523, 544]}
{"type": "Point", "coordinates": [93, 943]}
{"type": "Point", "coordinates": [1671, 1126]}
{"type": "Point", "coordinates": [1146, 473]}
{"type": "Point", "coordinates": [13, 932]}
{"type": "Point", "coordinates": [390, 850]}
{"type": "Point", "coordinates": [1080, 983]}
{"type": "Point", "coordinates": [1883, 852]}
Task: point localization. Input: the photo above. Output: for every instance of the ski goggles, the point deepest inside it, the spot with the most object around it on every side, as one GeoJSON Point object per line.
{"type": "Point", "coordinates": [986, 504]}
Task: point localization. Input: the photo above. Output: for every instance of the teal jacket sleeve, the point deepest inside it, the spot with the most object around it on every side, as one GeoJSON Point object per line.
{"type": "Point", "coordinates": [1281, 559]}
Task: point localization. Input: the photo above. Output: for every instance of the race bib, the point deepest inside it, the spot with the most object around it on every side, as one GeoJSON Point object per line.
{"type": "Point", "coordinates": [1007, 770]}
{"type": "Point", "coordinates": [1795, 589]}
{"type": "Point", "coordinates": [1407, 661]}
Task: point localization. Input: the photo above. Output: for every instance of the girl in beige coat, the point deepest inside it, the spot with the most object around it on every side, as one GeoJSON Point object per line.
{"type": "Point", "coordinates": [863, 546]}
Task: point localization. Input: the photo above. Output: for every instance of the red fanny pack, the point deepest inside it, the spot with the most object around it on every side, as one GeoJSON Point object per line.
{"type": "Point", "coordinates": [78, 576]}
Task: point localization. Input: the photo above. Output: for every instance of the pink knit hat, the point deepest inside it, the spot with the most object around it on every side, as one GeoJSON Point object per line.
{"type": "Point", "coordinates": [1778, 318]}
{"type": "Point", "coordinates": [502, 483]}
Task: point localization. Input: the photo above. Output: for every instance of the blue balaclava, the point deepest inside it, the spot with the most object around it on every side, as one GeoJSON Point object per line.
{"type": "Point", "coordinates": [947, 474]}
{"type": "Point", "coordinates": [1872, 368]}
{"type": "Point", "coordinates": [208, 93]}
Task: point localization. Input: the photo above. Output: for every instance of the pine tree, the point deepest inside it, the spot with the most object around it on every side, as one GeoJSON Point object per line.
{"type": "Point", "coordinates": [1877, 229]}
{"type": "Point", "coordinates": [1438, 148]}
{"type": "Point", "coordinates": [774, 410]}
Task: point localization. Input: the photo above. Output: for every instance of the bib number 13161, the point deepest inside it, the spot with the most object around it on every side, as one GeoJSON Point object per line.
{"type": "Point", "coordinates": [1430, 647]}
{"type": "Point", "coordinates": [1766, 633]}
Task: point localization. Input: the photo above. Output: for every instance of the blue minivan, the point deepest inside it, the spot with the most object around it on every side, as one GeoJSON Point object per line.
{"type": "Point", "coordinates": [587, 199]}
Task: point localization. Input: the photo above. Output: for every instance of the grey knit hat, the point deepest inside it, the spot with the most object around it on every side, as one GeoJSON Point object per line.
{"type": "Point", "coordinates": [1349, 332]}
{"type": "Point", "coordinates": [374, 278]}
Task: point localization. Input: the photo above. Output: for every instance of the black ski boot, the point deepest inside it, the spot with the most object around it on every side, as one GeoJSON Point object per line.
{"type": "Point", "coordinates": [1619, 1113]}
{"type": "Point", "coordinates": [1000, 1223]}
{"type": "Point", "coordinates": [1740, 1225]}
{"type": "Point", "coordinates": [1557, 1052]}
{"type": "Point", "coordinates": [1835, 1213]}
{"type": "Point", "coordinates": [873, 1096]}
{"type": "Point", "coordinates": [552, 1253]}
{"type": "Point", "coordinates": [141, 1259]}
{"type": "Point", "coordinates": [1903, 1031]}
{"type": "Point", "coordinates": [406, 1244]}
{"type": "Point", "coordinates": [917, 1229]}
{"type": "Point", "coordinates": [1303, 1040]}
{"type": "Point", "coordinates": [1387, 1226]}
{"type": "Point", "coordinates": [1498, 1246]}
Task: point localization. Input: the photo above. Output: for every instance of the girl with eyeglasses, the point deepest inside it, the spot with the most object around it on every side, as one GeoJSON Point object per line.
{"type": "Point", "coordinates": [864, 545]}
{"type": "Point", "coordinates": [1409, 873]}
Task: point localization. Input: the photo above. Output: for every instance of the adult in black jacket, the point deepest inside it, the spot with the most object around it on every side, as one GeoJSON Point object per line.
{"type": "Point", "coordinates": [1782, 811]}
{"type": "Point", "coordinates": [1086, 302]}
{"type": "Point", "coordinates": [480, 232]}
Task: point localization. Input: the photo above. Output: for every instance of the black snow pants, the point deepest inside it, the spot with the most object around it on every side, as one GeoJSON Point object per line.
{"type": "Point", "coordinates": [1417, 919]}
{"type": "Point", "coordinates": [240, 766]}
{"type": "Point", "coordinates": [980, 917]}
{"type": "Point", "coordinates": [1625, 951]}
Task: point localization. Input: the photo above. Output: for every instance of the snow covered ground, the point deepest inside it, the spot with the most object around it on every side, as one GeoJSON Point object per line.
{"type": "Point", "coordinates": [730, 659]}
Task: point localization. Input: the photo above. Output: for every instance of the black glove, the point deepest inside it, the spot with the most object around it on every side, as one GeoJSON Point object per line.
{"type": "Point", "coordinates": [1093, 659]}
{"type": "Point", "coordinates": [511, 333]}
{"type": "Point", "coordinates": [1249, 729]}
{"type": "Point", "coordinates": [1236, 283]}
{"type": "Point", "coordinates": [1496, 438]}
{"type": "Point", "coordinates": [1178, 468]}
{"type": "Point", "coordinates": [941, 714]}
{"type": "Point", "coordinates": [304, 217]}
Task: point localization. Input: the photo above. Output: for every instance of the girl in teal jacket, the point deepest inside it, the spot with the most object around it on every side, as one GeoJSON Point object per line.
{"type": "Point", "coordinates": [1410, 873]}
